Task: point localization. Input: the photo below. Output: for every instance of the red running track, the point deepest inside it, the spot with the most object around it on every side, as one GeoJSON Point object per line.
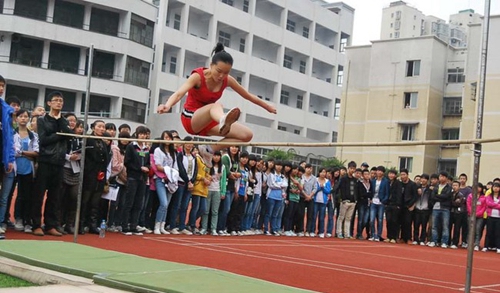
{"type": "Point", "coordinates": [325, 265]}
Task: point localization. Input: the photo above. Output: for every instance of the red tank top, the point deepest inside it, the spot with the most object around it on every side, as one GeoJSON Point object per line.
{"type": "Point", "coordinates": [199, 97]}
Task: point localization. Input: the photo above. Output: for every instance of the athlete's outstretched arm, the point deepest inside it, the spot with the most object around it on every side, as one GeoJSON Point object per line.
{"type": "Point", "coordinates": [192, 81]}
{"type": "Point", "coordinates": [248, 96]}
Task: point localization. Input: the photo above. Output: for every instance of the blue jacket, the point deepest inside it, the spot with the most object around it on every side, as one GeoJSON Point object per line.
{"type": "Point", "coordinates": [8, 154]}
{"type": "Point", "coordinates": [326, 190]}
{"type": "Point", "coordinates": [383, 192]}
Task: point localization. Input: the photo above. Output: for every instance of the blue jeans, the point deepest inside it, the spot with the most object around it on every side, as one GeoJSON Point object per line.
{"type": "Point", "coordinates": [164, 197]}
{"type": "Point", "coordinates": [280, 216]}
{"type": "Point", "coordinates": [249, 213]}
{"type": "Point", "coordinates": [7, 182]}
{"type": "Point", "coordinates": [198, 208]}
{"type": "Point", "coordinates": [376, 212]}
{"type": "Point", "coordinates": [226, 207]}
{"type": "Point", "coordinates": [183, 196]}
{"type": "Point", "coordinates": [319, 211]}
{"type": "Point", "coordinates": [256, 213]}
{"type": "Point", "coordinates": [331, 211]}
{"type": "Point", "coordinates": [273, 209]}
{"type": "Point", "coordinates": [363, 217]}
{"type": "Point", "coordinates": [441, 218]}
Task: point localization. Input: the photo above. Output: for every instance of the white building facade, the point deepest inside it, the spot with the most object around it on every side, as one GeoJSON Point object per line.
{"type": "Point", "coordinates": [44, 47]}
{"type": "Point", "coordinates": [289, 53]}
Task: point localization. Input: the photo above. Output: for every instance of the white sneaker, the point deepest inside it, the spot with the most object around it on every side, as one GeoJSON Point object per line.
{"type": "Point", "coordinates": [227, 120]}
{"type": "Point", "coordinates": [234, 233]}
{"type": "Point", "coordinates": [221, 233]}
{"type": "Point", "coordinates": [140, 229]}
{"type": "Point", "coordinates": [268, 233]}
{"type": "Point", "coordinates": [377, 239]}
{"type": "Point", "coordinates": [2, 230]}
{"type": "Point", "coordinates": [214, 233]}
{"type": "Point", "coordinates": [484, 249]}
{"type": "Point", "coordinates": [301, 234]}
{"type": "Point", "coordinates": [321, 235]}
{"type": "Point", "coordinates": [312, 235]}
{"type": "Point", "coordinates": [422, 243]}
{"type": "Point", "coordinates": [328, 235]}
{"type": "Point", "coordinates": [476, 248]}
{"type": "Point", "coordinates": [444, 246]}
{"type": "Point", "coordinates": [498, 250]}
{"type": "Point", "coordinates": [203, 232]}
{"type": "Point", "coordinates": [414, 243]}
{"type": "Point", "coordinates": [276, 234]}
{"type": "Point", "coordinates": [453, 247]}
{"type": "Point", "coordinates": [431, 244]}
{"type": "Point", "coordinates": [18, 225]}
{"type": "Point", "coordinates": [293, 234]}
{"type": "Point", "coordinates": [186, 232]}
{"type": "Point", "coordinates": [207, 154]}
{"type": "Point", "coordinates": [371, 239]}
{"type": "Point", "coordinates": [147, 231]}
{"type": "Point", "coordinates": [240, 233]}
{"type": "Point", "coordinates": [175, 231]}
{"type": "Point", "coordinates": [287, 233]}
{"type": "Point", "coordinates": [28, 229]}
{"type": "Point", "coordinates": [307, 234]}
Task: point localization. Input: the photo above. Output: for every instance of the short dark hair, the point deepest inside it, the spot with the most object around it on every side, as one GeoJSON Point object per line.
{"type": "Point", "coordinates": [22, 111]}
{"type": "Point", "coordinates": [352, 164]}
{"type": "Point", "coordinates": [381, 168]}
{"type": "Point", "coordinates": [2, 79]}
{"type": "Point", "coordinates": [496, 179]}
{"type": "Point", "coordinates": [124, 125]}
{"type": "Point", "coordinates": [110, 126]}
{"type": "Point", "coordinates": [244, 154]}
{"type": "Point", "coordinates": [54, 94]}
{"type": "Point", "coordinates": [301, 169]}
{"type": "Point", "coordinates": [359, 170]}
{"type": "Point", "coordinates": [13, 100]}
{"type": "Point", "coordinates": [374, 168]}
{"type": "Point", "coordinates": [141, 130]}
{"type": "Point", "coordinates": [308, 165]}
{"type": "Point", "coordinates": [425, 176]}
{"type": "Point", "coordinates": [434, 176]}
{"type": "Point", "coordinates": [365, 171]}
{"type": "Point", "coordinates": [67, 115]}
{"type": "Point", "coordinates": [444, 173]}
{"type": "Point", "coordinates": [403, 171]}
{"type": "Point", "coordinates": [393, 171]}
{"type": "Point", "coordinates": [464, 175]}
{"type": "Point", "coordinates": [455, 181]}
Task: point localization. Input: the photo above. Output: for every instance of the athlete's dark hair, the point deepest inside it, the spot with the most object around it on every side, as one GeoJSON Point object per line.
{"type": "Point", "coordinates": [220, 55]}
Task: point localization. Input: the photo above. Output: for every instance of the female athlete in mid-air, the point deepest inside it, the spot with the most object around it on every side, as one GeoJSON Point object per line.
{"type": "Point", "coordinates": [202, 115]}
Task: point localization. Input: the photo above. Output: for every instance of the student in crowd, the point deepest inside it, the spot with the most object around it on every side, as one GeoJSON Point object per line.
{"type": "Point", "coordinates": [480, 210]}
{"type": "Point", "coordinates": [125, 128]}
{"type": "Point", "coordinates": [348, 197]}
{"type": "Point", "coordinates": [238, 205]}
{"type": "Point", "coordinates": [380, 190]}
{"type": "Point", "coordinates": [422, 211]}
{"type": "Point", "coordinates": [441, 204]}
{"type": "Point", "coordinates": [216, 188]}
{"type": "Point", "coordinates": [323, 189]}
{"type": "Point", "coordinates": [294, 191]}
{"type": "Point", "coordinates": [111, 129]}
{"type": "Point", "coordinates": [277, 185]}
{"type": "Point", "coordinates": [258, 194]}
{"type": "Point", "coordinates": [268, 166]}
{"type": "Point", "coordinates": [410, 194]}
{"type": "Point", "coordinates": [458, 216]}
{"type": "Point", "coordinates": [364, 200]}
{"type": "Point", "coordinates": [230, 160]}
{"type": "Point", "coordinates": [309, 190]}
{"type": "Point", "coordinates": [33, 126]}
{"type": "Point", "coordinates": [493, 210]}
{"type": "Point", "coordinates": [199, 193]}
{"type": "Point", "coordinates": [253, 201]}
{"type": "Point", "coordinates": [51, 160]}
{"type": "Point", "coordinates": [334, 179]}
{"type": "Point", "coordinates": [117, 207]}
{"type": "Point", "coordinates": [26, 148]}
{"type": "Point", "coordinates": [393, 207]}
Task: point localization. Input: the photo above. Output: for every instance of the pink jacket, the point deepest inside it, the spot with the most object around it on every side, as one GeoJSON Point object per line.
{"type": "Point", "coordinates": [481, 205]}
{"type": "Point", "coordinates": [490, 203]}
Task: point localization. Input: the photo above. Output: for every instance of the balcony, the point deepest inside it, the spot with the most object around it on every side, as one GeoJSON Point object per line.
{"type": "Point", "coordinates": [198, 23]}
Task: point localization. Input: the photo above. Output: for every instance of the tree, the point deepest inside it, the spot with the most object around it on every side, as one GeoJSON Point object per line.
{"type": "Point", "coordinates": [279, 155]}
{"type": "Point", "coordinates": [333, 162]}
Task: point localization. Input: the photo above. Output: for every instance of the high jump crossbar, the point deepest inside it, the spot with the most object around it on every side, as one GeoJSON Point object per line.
{"type": "Point", "coordinates": [306, 144]}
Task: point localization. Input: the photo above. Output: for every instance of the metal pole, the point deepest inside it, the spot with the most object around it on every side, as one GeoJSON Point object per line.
{"type": "Point", "coordinates": [478, 146]}
{"type": "Point", "coordinates": [345, 107]}
{"type": "Point", "coordinates": [84, 143]}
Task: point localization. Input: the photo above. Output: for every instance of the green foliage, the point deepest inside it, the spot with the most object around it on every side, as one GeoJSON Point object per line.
{"type": "Point", "coordinates": [333, 162]}
{"type": "Point", "coordinates": [279, 155]}
{"type": "Point", "coordinates": [7, 281]}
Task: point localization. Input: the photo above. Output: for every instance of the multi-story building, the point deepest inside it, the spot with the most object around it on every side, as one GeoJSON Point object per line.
{"type": "Point", "coordinates": [399, 20]}
{"type": "Point", "coordinates": [288, 53]}
{"type": "Point", "coordinates": [420, 88]}
{"type": "Point", "coordinates": [44, 47]}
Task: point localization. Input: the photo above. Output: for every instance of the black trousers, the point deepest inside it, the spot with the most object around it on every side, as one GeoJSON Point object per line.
{"type": "Point", "coordinates": [420, 225]}
{"type": "Point", "coordinates": [406, 220]}
{"type": "Point", "coordinates": [48, 178]}
{"type": "Point", "coordinates": [392, 214]}
{"type": "Point", "coordinates": [235, 214]}
{"type": "Point", "coordinates": [24, 198]}
{"type": "Point", "coordinates": [134, 201]}
{"type": "Point", "coordinates": [460, 227]}
{"type": "Point", "coordinates": [493, 233]}
{"type": "Point", "coordinates": [291, 212]}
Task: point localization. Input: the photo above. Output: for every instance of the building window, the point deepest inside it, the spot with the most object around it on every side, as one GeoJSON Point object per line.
{"type": "Point", "coordinates": [408, 132]}
{"type": "Point", "coordinates": [296, 131]}
{"type": "Point", "coordinates": [325, 113]}
{"type": "Point", "coordinates": [452, 106]}
{"type": "Point", "coordinates": [411, 100]}
{"type": "Point", "coordinates": [406, 163]}
{"type": "Point", "coordinates": [239, 79]}
{"type": "Point", "coordinates": [302, 67]}
{"type": "Point", "coordinates": [392, 24]}
{"type": "Point", "coordinates": [473, 90]}
{"type": "Point", "coordinates": [242, 45]}
{"type": "Point", "coordinates": [68, 13]}
{"type": "Point", "coordinates": [305, 32]}
{"type": "Point", "coordinates": [336, 113]}
{"type": "Point", "coordinates": [36, 9]}
{"type": "Point", "coordinates": [284, 97]}
{"type": "Point", "coordinates": [335, 136]}
{"type": "Point", "coordinates": [300, 101]}
{"type": "Point", "coordinates": [27, 95]}
{"type": "Point", "coordinates": [287, 62]}
{"type": "Point", "coordinates": [450, 134]}
{"type": "Point", "coordinates": [228, 2]}
{"type": "Point", "coordinates": [104, 21]}
{"type": "Point", "coordinates": [98, 106]}
{"type": "Point", "coordinates": [134, 111]}
{"type": "Point", "coordinates": [392, 15]}
{"type": "Point", "coordinates": [340, 75]}
{"type": "Point", "coordinates": [290, 25]}
{"type": "Point", "coordinates": [450, 166]}
{"type": "Point", "coordinates": [413, 68]}
{"type": "Point", "coordinates": [224, 38]}
{"type": "Point", "coordinates": [26, 51]}
{"type": "Point", "coordinates": [396, 35]}
{"type": "Point", "coordinates": [141, 30]}
{"type": "Point", "coordinates": [398, 14]}
{"type": "Point", "coordinates": [282, 128]}
{"type": "Point", "coordinates": [245, 5]}
{"type": "Point", "coordinates": [173, 64]}
{"type": "Point", "coordinates": [456, 75]}
{"type": "Point", "coordinates": [390, 35]}
{"type": "Point", "coordinates": [343, 44]}
{"type": "Point", "coordinates": [260, 151]}
{"type": "Point", "coordinates": [64, 58]}
{"type": "Point", "coordinates": [137, 72]}
{"type": "Point", "coordinates": [177, 21]}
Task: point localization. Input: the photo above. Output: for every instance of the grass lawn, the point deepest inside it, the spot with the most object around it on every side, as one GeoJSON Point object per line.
{"type": "Point", "coordinates": [7, 281]}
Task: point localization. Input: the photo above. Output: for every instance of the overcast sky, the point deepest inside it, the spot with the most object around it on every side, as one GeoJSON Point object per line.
{"type": "Point", "coordinates": [368, 13]}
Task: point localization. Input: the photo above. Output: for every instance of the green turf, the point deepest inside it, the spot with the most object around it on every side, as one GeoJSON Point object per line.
{"type": "Point", "coordinates": [7, 281]}
{"type": "Point", "coordinates": [123, 270]}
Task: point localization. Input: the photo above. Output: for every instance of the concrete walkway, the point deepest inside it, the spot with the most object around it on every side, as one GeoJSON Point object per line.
{"type": "Point", "coordinates": [49, 281]}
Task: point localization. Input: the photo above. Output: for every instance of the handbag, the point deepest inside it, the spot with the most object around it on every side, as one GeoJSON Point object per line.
{"type": "Point", "coordinates": [250, 194]}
